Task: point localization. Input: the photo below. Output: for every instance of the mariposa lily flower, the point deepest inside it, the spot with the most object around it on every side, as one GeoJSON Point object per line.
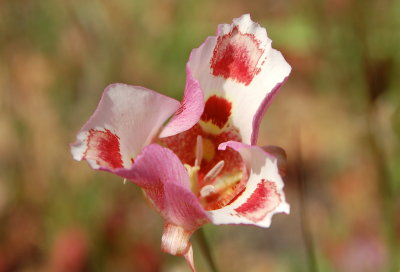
{"type": "Point", "coordinates": [197, 161]}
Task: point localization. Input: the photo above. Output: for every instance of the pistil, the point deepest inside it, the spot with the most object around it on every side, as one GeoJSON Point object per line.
{"type": "Point", "coordinates": [192, 172]}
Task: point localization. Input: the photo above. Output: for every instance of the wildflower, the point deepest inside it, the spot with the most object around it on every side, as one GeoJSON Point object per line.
{"type": "Point", "coordinates": [203, 165]}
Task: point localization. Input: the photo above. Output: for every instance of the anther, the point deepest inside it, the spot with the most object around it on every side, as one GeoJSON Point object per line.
{"type": "Point", "coordinates": [124, 180]}
{"type": "Point", "coordinates": [199, 151]}
{"type": "Point", "coordinates": [207, 190]}
{"type": "Point", "coordinates": [214, 171]}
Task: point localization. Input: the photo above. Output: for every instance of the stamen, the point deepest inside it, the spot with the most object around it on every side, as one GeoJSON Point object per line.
{"type": "Point", "coordinates": [207, 190]}
{"type": "Point", "coordinates": [199, 151]}
{"type": "Point", "coordinates": [214, 171]}
{"type": "Point", "coordinates": [124, 180]}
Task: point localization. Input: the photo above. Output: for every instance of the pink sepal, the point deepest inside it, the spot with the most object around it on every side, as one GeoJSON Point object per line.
{"type": "Point", "coordinates": [175, 241]}
{"type": "Point", "coordinates": [190, 110]}
{"type": "Point", "coordinates": [166, 183]}
{"type": "Point", "coordinates": [262, 109]}
{"type": "Point", "coordinates": [280, 154]}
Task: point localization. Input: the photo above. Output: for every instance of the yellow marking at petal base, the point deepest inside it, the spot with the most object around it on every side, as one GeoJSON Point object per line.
{"type": "Point", "coordinates": [227, 181]}
{"type": "Point", "coordinates": [192, 172]}
{"type": "Point", "coordinates": [224, 189]}
{"type": "Point", "coordinates": [211, 128]}
{"type": "Point", "coordinates": [208, 149]}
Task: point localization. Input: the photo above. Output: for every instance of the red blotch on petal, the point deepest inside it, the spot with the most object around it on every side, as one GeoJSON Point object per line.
{"type": "Point", "coordinates": [264, 200]}
{"type": "Point", "coordinates": [217, 110]}
{"type": "Point", "coordinates": [104, 148]}
{"type": "Point", "coordinates": [236, 56]}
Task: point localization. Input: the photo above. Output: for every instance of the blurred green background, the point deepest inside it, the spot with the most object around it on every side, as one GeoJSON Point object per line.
{"type": "Point", "coordinates": [338, 118]}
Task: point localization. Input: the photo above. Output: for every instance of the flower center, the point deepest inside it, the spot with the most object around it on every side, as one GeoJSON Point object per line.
{"type": "Point", "coordinates": [213, 189]}
{"type": "Point", "coordinates": [216, 176]}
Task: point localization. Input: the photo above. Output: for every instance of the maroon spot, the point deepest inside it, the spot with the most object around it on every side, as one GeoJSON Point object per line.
{"type": "Point", "coordinates": [103, 147]}
{"type": "Point", "coordinates": [236, 196]}
{"type": "Point", "coordinates": [181, 108]}
{"type": "Point", "coordinates": [264, 200]}
{"type": "Point", "coordinates": [217, 110]}
{"type": "Point", "coordinates": [236, 56]}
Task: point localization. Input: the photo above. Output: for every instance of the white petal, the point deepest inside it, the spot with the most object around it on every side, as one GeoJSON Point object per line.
{"type": "Point", "coordinates": [126, 119]}
{"type": "Point", "coordinates": [240, 65]}
{"type": "Point", "coordinates": [263, 196]}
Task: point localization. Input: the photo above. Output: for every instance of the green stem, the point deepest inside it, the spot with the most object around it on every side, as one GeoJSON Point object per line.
{"type": "Point", "coordinates": [386, 191]}
{"type": "Point", "coordinates": [205, 249]}
{"type": "Point", "coordinates": [304, 216]}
